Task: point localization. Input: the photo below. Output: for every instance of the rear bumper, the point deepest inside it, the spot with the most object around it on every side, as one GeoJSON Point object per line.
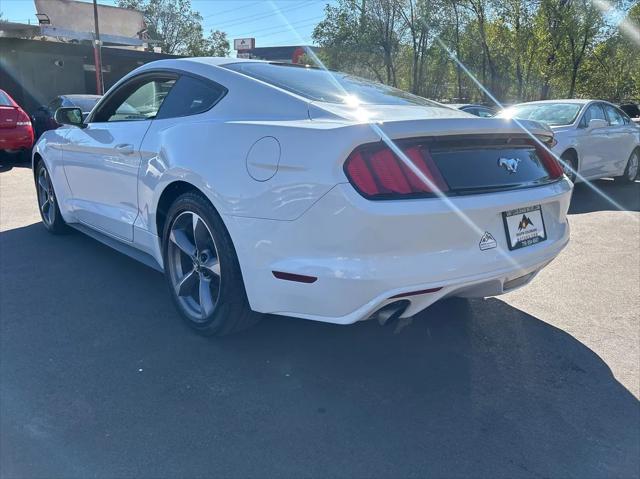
{"type": "Point", "coordinates": [16, 138]}
{"type": "Point", "coordinates": [363, 253]}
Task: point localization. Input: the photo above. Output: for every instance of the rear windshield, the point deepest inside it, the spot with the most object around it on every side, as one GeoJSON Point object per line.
{"type": "Point", "coordinates": [553, 114]}
{"type": "Point", "coordinates": [4, 99]}
{"type": "Point", "coordinates": [322, 85]}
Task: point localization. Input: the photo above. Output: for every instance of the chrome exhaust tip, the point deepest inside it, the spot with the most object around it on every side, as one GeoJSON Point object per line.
{"type": "Point", "coordinates": [390, 312]}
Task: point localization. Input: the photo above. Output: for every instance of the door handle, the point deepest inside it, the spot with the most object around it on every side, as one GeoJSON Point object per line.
{"type": "Point", "coordinates": [125, 148]}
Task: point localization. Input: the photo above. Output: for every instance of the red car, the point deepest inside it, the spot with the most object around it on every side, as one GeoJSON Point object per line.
{"type": "Point", "coordinates": [16, 132]}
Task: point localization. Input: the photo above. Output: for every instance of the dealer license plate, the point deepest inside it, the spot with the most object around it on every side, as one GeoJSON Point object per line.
{"type": "Point", "coordinates": [524, 226]}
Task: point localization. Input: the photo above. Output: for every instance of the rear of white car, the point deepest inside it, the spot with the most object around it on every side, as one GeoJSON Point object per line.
{"type": "Point", "coordinates": [383, 240]}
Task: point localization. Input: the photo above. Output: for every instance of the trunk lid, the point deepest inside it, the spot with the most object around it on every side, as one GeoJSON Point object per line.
{"type": "Point", "coordinates": [472, 154]}
{"type": "Point", "coordinates": [8, 116]}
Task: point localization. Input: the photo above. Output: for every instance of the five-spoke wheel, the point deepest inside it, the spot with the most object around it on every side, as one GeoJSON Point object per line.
{"type": "Point", "coordinates": [46, 198]}
{"type": "Point", "coordinates": [202, 268]}
{"type": "Point", "coordinates": [47, 203]}
{"type": "Point", "coordinates": [195, 267]}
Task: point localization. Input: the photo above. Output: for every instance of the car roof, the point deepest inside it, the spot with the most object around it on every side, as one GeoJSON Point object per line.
{"type": "Point", "coordinates": [219, 61]}
{"type": "Point", "coordinates": [77, 96]}
{"type": "Point", "coordinates": [577, 101]}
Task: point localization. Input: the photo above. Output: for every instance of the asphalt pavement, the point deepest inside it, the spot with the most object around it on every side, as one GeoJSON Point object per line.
{"type": "Point", "coordinates": [100, 378]}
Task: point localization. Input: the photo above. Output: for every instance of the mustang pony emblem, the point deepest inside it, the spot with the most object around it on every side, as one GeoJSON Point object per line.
{"type": "Point", "coordinates": [509, 164]}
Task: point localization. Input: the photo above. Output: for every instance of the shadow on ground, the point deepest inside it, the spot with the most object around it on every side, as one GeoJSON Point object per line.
{"type": "Point", "coordinates": [100, 378]}
{"type": "Point", "coordinates": [10, 161]}
{"type": "Point", "coordinates": [607, 195]}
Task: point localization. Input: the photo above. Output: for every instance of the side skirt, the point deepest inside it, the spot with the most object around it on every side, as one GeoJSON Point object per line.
{"type": "Point", "coordinates": [119, 246]}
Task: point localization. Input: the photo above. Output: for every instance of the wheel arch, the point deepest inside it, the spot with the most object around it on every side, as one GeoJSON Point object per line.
{"type": "Point", "coordinates": [37, 158]}
{"type": "Point", "coordinates": [169, 194]}
{"type": "Point", "coordinates": [571, 151]}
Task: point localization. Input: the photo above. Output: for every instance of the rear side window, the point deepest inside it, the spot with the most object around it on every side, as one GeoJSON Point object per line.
{"type": "Point", "coordinates": [191, 96]}
{"type": "Point", "coordinates": [485, 113]}
{"type": "Point", "coordinates": [4, 100]}
{"type": "Point", "coordinates": [615, 118]}
{"type": "Point", "coordinates": [328, 86]}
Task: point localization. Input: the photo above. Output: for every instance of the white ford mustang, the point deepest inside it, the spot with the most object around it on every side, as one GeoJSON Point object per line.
{"type": "Point", "coordinates": [594, 139]}
{"type": "Point", "coordinates": [271, 188]}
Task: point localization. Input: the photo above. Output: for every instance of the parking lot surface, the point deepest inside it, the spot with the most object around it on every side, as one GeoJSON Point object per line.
{"type": "Point", "coordinates": [100, 378]}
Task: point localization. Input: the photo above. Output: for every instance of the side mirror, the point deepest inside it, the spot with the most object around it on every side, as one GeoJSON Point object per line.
{"type": "Point", "coordinates": [596, 123]}
{"type": "Point", "coordinates": [69, 116]}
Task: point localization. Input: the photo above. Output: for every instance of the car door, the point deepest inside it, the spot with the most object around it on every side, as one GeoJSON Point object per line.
{"type": "Point", "coordinates": [594, 144]}
{"type": "Point", "coordinates": [101, 160]}
{"type": "Point", "coordinates": [622, 140]}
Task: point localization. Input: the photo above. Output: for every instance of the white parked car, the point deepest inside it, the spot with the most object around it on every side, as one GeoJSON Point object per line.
{"type": "Point", "coordinates": [594, 138]}
{"type": "Point", "coordinates": [262, 187]}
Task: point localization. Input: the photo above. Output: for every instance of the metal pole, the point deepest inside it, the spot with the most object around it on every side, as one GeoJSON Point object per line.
{"type": "Point", "coordinates": [97, 53]}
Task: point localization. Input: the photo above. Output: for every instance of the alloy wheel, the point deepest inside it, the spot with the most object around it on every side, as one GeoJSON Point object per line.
{"type": "Point", "coordinates": [194, 267]}
{"type": "Point", "coordinates": [569, 168]}
{"type": "Point", "coordinates": [46, 198]}
{"type": "Point", "coordinates": [632, 168]}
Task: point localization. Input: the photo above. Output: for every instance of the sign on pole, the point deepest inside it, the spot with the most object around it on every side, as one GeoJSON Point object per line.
{"type": "Point", "coordinates": [244, 44]}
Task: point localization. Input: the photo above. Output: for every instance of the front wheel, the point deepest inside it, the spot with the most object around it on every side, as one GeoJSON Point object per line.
{"type": "Point", "coordinates": [631, 171]}
{"type": "Point", "coordinates": [202, 269]}
{"type": "Point", "coordinates": [47, 201]}
{"type": "Point", "coordinates": [570, 165]}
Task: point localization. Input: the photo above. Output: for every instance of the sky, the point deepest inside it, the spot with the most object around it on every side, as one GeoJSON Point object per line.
{"type": "Point", "coordinates": [270, 22]}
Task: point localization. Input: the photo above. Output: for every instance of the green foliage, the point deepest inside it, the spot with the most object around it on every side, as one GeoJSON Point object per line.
{"type": "Point", "coordinates": [517, 49]}
{"type": "Point", "coordinates": [179, 28]}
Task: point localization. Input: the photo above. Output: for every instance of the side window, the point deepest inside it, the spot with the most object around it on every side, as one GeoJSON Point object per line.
{"type": "Point", "coordinates": [137, 100]}
{"type": "Point", "coordinates": [615, 118]}
{"type": "Point", "coordinates": [594, 112]}
{"type": "Point", "coordinates": [472, 110]}
{"type": "Point", "coordinates": [191, 96]}
{"type": "Point", "coordinates": [485, 113]}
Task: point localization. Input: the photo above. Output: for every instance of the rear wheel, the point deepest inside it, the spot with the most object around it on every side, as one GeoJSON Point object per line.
{"type": "Point", "coordinates": [631, 171]}
{"type": "Point", "coordinates": [202, 269]}
{"type": "Point", "coordinates": [569, 165]}
{"type": "Point", "coordinates": [47, 201]}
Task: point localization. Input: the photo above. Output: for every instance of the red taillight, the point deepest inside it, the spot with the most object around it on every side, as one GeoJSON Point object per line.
{"type": "Point", "coordinates": [376, 172]}
{"type": "Point", "coordinates": [549, 161]}
{"type": "Point", "coordinates": [23, 119]}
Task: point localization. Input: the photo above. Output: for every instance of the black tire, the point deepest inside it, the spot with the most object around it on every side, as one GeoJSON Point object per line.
{"type": "Point", "coordinates": [569, 157]}
{"type": "Point", "coordinates": [51, 219]}
{"type": "Point", "coordinates": [231, 312]}
{"type": "Point", "coordinates": [628, 178]}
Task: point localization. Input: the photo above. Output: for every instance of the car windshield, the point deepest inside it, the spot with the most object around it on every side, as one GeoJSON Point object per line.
{"type": "Point", "coordinates": [85, 104]}
{"type": "Point", "coordinates": [553, 114]}
{"type": "Point", "coordinates": [333, 87]}
{"type": "Point", "coordinates": [4, 99]}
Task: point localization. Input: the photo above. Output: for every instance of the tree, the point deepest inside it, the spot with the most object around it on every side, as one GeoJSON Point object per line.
{"type": "Point", "coordinates": [611, 69]}
{"type": "Point", "coordinates": [519, 50]}
{"type": "Point", "coordinates": [178, 27]}
{"type": "Point", "coordinates": [215, 45]}
{"type": "Point", "coordinates": [583, 24]}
